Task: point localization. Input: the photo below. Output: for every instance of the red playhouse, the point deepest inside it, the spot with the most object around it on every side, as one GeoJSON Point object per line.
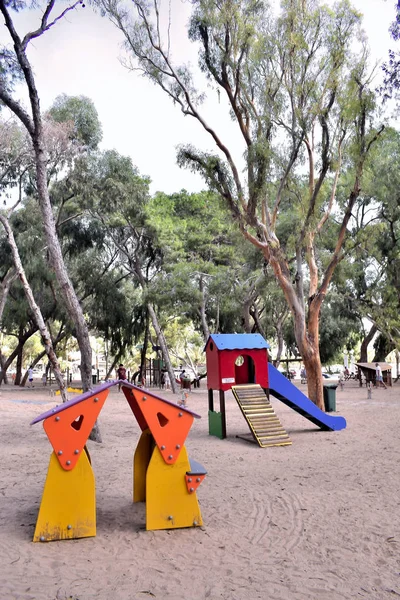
{"type": "Point", "coordinates": [239, 362]}
{"type": "Point", "coordinates": [233, 360]}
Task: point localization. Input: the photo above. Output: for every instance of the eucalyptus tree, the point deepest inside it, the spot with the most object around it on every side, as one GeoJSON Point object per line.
{"type": "Point", "coordinates": [24, 243]}
{"type": "Point", "coordinates": [15, 157]}
{"type": "Point", "coordinates": [391, 69]}
{"type": "Point", "coordinates": [115, 195]}
{"type": "Point", "coordinates": [299, 95]}
{"type": "Point", "coordinates": [375, 282]}
{"type": "Point", "coordinates": [209, 275]}
{"type": "Point", "coordinates": [15, 66]}
{"type": "Point", "coordinates": [117, 314]}
{"type": "Point", "coordinates": [17, 161]}
{"type": "Point", "coordinates": [79, 112]}
{"type": "Point", "coordinates": [34, 307]}
{"type": "Point", "coordinates": [14, 319]}
{"type": "Point", "coordinates": [201, 255]}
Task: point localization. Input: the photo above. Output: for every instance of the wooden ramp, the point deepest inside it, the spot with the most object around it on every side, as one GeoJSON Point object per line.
{"type": "Point", "coordinates": [265, 427]}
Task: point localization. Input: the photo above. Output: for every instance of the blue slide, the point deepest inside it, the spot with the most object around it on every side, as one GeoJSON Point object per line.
{"type": "Point", "coordinates": [289, 394]}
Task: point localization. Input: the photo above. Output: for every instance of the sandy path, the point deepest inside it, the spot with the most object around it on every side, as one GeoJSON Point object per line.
{"type": "Point", "coordinates": [316, 520]}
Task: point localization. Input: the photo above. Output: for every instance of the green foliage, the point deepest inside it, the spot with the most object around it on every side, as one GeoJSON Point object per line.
{"type": "Point", "coordinates": [185, 344]}
{"type": "Point", "coordinates": [201, 256]}
{"type": "Point", "coordinates": [115, 311]}
{"type": "Point", "coordinates": [80, 111]}
{"type": "Point", "coordinates": [374, 269]}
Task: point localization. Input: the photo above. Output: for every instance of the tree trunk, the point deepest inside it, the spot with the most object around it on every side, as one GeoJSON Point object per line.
{"type": "Point", "coordinates": [5, 285]}
{"type": "Point", "coordinates": [306, 334]}
{"type": "Point", "coordinates": [18, 370]}
{"type": "Point", "coordinates": [112, 367]}
{"type": "Point", "coordinates": [60, 336]}
{"type": "Point", "coordinates": [70, 298]}
{"type": "Point", "coordinates": [315, 386]}
{"type": "Point", "coordinates": [217, 319]}
{"type": "Point", "coordinates": [203, 318]}
{"type": "Point", "coordinates": [33, 364]}
{"type": "Point", "coordinates": [307, 340]}
{"type": "Point", "coordinates": [257, 321]}
{"type": "Point", "coordinates": [34, 126]}
{"type": "Point", "coordinates": [14, 353]}
{"type": "Point", "coordinates": [156, 325]}
{"type": "Point", "coordinates": [365, 343]}
{"type": "Point", "coordinates": [57, 262]}
{"type": "Point", "coordinates": [248, 302]}
{"type": "Point", "coordinates": [383, 347]}
{"type": "Point", "coordinates": [37, 315]}
{"type": "Point", "coordinates": [279, 337]}
{"type": "Point", "coordinates": [164, 349]}
{"type": "Point", "coordinates": [246, 315]}
{"type": "Point", "coordinates": [143, 351]}
{"type": "Point", "coordinates": [2, 368]}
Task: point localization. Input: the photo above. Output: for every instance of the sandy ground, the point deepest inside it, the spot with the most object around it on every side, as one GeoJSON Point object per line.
{"type": "Point", "coordinates": [316, 520]}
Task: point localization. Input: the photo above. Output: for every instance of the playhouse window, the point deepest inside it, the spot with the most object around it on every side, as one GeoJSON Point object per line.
{"type": "Point", "coordinates": [239, 361]}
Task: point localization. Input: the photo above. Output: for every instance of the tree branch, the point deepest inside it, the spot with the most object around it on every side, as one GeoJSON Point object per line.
{"type": "Point", "coordinates": [45, 26]}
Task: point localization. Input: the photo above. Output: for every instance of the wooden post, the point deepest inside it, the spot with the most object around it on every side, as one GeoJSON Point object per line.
{"type": "Point", "coordinates": [211, 400]}
{"type": "Point", "coordinates": [222, 411]}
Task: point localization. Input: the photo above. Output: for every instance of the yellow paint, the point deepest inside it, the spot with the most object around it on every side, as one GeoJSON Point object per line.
{"type": "Point", "coordinates": [169, 505]}
{"type": "Point", "coordinates": [140, 463]}
{"type": "Point", "coordinates": [68, 507]}
{"type": "Point", "coordinates": [72, 390]}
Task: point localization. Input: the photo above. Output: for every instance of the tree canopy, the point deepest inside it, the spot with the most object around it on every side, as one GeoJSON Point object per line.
{"type": "Point", "coordinates": [301, 220]}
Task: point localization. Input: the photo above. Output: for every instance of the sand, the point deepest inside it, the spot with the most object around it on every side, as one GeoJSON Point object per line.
{"type": "Point", "coordinates": [315, 520]}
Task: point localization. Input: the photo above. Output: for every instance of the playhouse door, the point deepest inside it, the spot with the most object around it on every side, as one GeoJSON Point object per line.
{"type": "Point", "coordinates": [245, 373]}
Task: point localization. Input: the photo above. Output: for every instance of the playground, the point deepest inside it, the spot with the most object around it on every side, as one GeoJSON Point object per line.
{"type": "Point", "coordinates": [316, 519]}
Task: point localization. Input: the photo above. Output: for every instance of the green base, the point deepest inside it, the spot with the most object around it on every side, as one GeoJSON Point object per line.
{"type": "Point", "coordinates": [215, 424]}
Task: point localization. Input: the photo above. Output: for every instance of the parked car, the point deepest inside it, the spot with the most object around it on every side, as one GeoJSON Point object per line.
{"type": "Point", "coordinates": [291, 374]}
{"type": "Point", "coordinates": [330, 376]}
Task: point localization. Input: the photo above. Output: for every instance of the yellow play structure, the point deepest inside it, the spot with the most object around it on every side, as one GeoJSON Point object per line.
{"type": "Point", "coordinates": [163, 475]}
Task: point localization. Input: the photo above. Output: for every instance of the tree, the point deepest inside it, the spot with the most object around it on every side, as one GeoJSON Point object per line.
{"type": "Point", "coordinates": [391, 69]}
{"type": "Point", "coordinates": [81, 113]}
{"type": "Point", "coordinates": [375, 284]}
{"type": "Point", "coordinates": [301, 100]}
{"type": "Point", "coordinates": [115, 196]}
{"type": "Point", "coordinates": [201, 256]}
{"type": "Point", "coordinates": [37, 314]}
{"type": "Point", "coordinates": [16, 65]}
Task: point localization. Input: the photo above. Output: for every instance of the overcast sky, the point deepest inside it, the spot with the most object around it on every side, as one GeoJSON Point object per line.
{"type": "Point", "coordinates": [79, 56]}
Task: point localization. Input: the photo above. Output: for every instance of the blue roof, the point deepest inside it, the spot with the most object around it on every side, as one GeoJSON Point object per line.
{"type": "Point", "coordinates": [238, 341]}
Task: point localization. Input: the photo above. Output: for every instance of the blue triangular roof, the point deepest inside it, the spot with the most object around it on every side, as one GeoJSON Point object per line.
{"type": "Point", "coordinates": [238, 341]}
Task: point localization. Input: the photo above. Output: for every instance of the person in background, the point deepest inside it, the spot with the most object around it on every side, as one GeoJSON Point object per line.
{"type": "Point", "coordinates": [121, 374]}
{"type": "Point", "coordinates": [143, 379]}
{"type": "Point", "coordinates": [162, 379]}
{"type": "Point", "coordinates": [44, 378]}
{"type": "Point", "coordinates": [378, 376]}
{"type": "Point", "coordinates": [167, 381]}
{"type": "Point", "coordinates": [30, 376]}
